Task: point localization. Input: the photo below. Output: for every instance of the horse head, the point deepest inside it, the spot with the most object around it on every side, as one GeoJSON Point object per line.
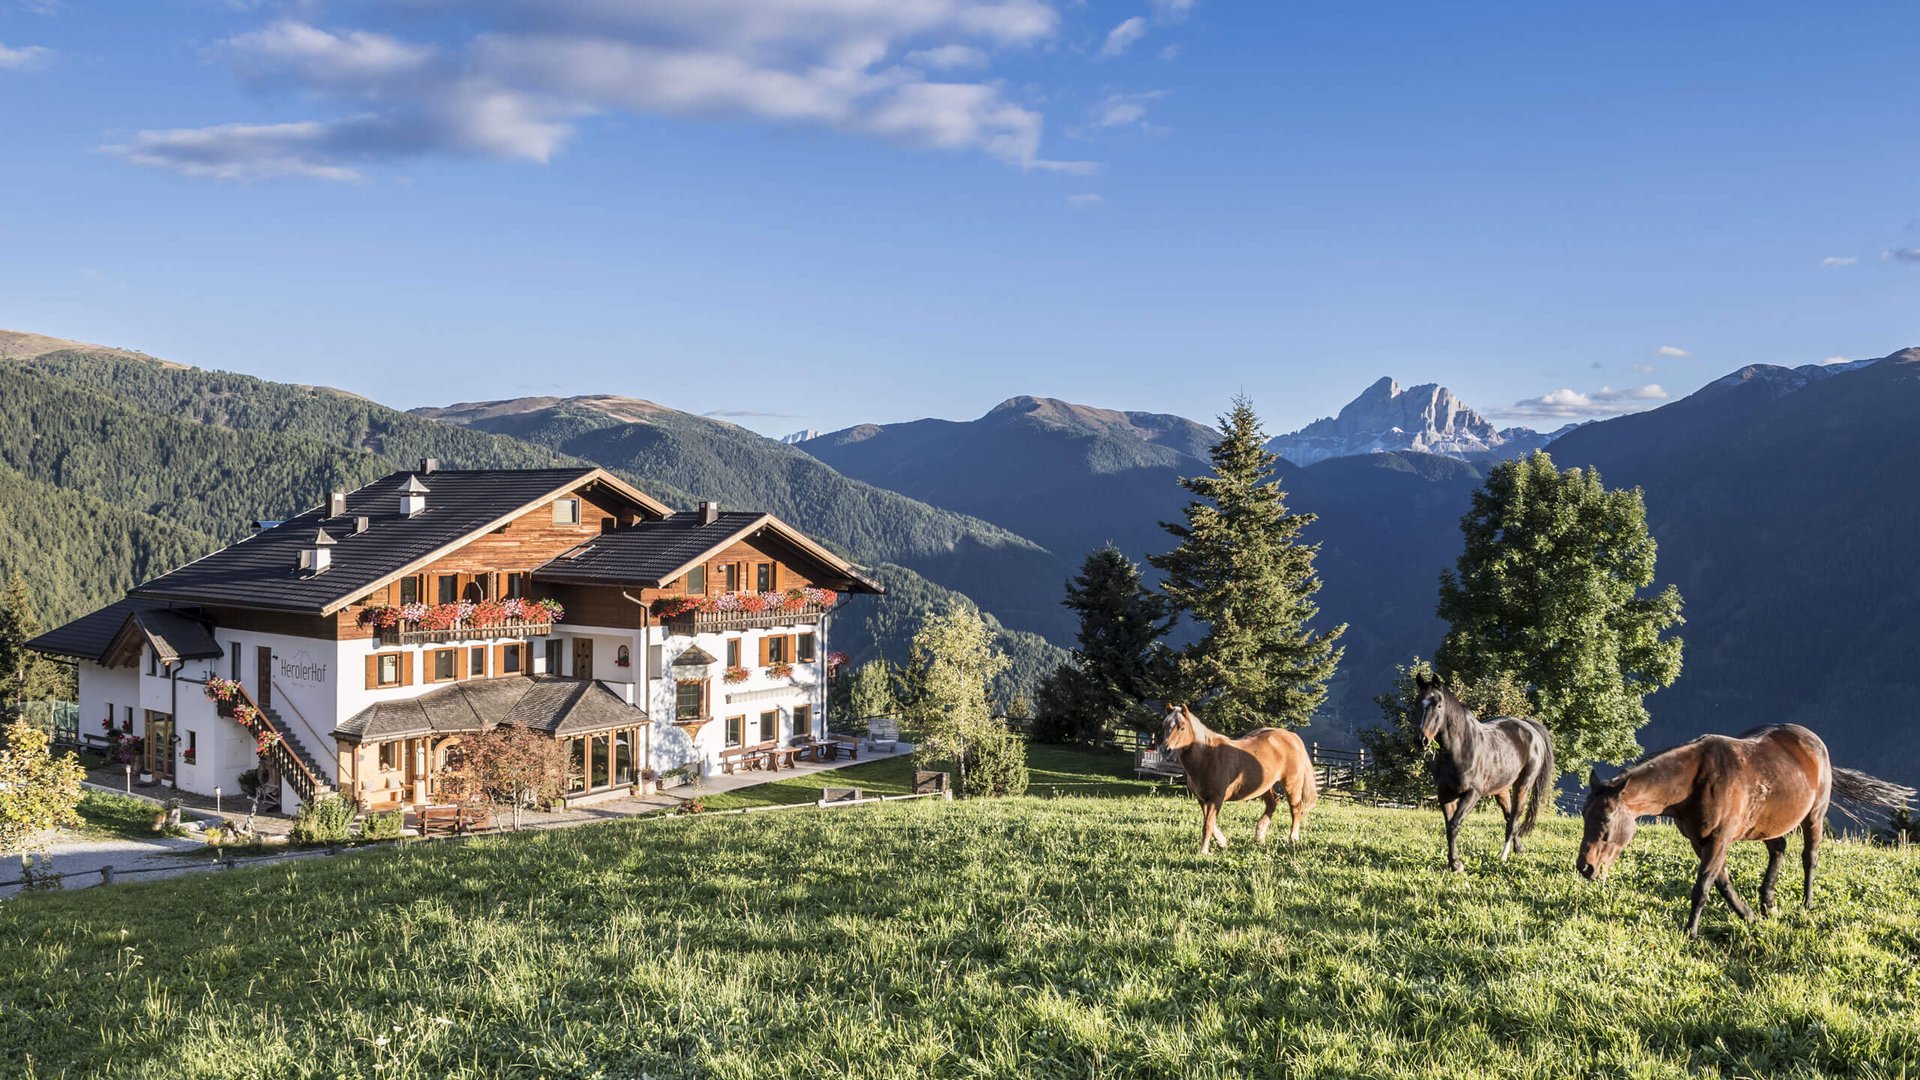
{"type": "Point", "coordinates": [1609, 825]}
{"type": "Point", "coordinates": [1429, 710]}
{"type": "Point", "coordinates": [1179, 730]}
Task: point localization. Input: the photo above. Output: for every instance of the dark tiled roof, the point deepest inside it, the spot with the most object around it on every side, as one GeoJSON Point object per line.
{"type": "Point", "coordinates": [177, 636]}
{"type": "Point", "coordinates": [262, 570]}
{"type": "Point", "coordinates": [542, 702]}
{"type": "Point", "coordinates": [89, 636]}
{"type": "Point", "coordinates": [647, 552]}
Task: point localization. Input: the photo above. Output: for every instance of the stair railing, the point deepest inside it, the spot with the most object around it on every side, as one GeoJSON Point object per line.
{"type": "Point", "coordinates": [290, 764]}
{"type": "Point", "coordinates": [319, 743]}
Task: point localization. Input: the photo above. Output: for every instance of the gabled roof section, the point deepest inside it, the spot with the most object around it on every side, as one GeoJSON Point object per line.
{"type": "Point", "coordinates": [544, 703]}
{"type": "Point", "coordinates": [90, 636]}
{"type": "Point", "coordinates": [652, 553]}
{"type": "Point", "coordinates": [173, 635]}
{"type": "Point", "coordinates": [263, 571]}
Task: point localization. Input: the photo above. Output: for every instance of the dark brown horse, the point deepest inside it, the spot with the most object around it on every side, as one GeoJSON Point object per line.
{"type": "Point", "coordinates": [1263, 764]}
{"type": "Point", "coordinates": [1760, 786]}
{"type": "Point", "coordinates": [1508, 757]}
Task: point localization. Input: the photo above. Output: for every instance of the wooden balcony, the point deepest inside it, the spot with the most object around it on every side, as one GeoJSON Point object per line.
{"type": "Point", "coordinates": [714, 622]}
{"type": "Point", "coordinates": [408, 634]}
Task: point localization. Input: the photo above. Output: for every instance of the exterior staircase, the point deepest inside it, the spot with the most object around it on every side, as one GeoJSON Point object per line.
{"type": "Point", "coordinates": [290, 757]}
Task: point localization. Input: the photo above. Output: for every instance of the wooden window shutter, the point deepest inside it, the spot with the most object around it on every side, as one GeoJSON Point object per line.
{"type": "Point", "coordinates": [765, 642]}
{"type": "Point", "coordinates": [373, 671]}
{"type": "Point", "coordinates": [500, 659]}
{"type": "Point", "coordinates": [406, 669]}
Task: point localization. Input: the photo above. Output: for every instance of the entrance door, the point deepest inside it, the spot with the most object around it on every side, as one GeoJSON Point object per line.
{"type": "Point", "coordinates": [157, 752]}
{"type": "Point", "coordinates": [263, 676]}
{"type": "Point", "coordinates": [582, 658]}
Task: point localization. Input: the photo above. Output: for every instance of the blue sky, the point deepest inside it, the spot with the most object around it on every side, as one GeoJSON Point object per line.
{"type": "Point", "coordinates": [821, 212]}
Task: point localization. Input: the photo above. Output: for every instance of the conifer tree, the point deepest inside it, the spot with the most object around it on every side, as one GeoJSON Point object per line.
{"type": "Point", "coordinates": [1242, 573]}
{"type": "Point", "coordinates": [1118, 661]}
{"type": "Point", "coordinates": [1548, 592]}
{"type": "Point", "coordinates": [25, 674]}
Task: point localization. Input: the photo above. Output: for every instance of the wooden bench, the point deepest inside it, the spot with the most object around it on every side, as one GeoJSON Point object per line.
{"type": "Point", "coordinates": [737, 756]}
{"type": "Point", "coordinates": [1159, 765]}
{"type": "Point", "coordinates": [452, 819]}
{"type": "Point", "coordinates": [839, 744]}
{"type": "Point", "coordinates": [883, 733]}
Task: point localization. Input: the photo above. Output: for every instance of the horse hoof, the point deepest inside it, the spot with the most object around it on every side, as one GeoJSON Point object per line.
{"type": "Point", "coordinates": [1457, 867]}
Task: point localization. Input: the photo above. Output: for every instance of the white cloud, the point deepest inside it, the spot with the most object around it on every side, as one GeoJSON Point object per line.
{"type": "Point", "coordinates": [1644, 369]}
{"type": "Point", "coordinates": [1170, 52]}
{"type": "Point", "coordinates": [1832, 360]}
{"type": "Point", "coordinates": [1672, 352]}
{"type": "Point", "coordinates": [1570, 404]}
{"type": "Point", "coordinates": [949, 57]}
{"type": "Point", "coordinates": [517, 88]}
{"type": "Point", "coordinates": [1122, 37]}
{"type": "Point", "coordinates": [22, 57]}
{"type": "Point", "coordinates": [1172, 9]}
{"type": "Point", "coordinates": [1085, 201]}
{"type": "Point", "coordinates": [1121, 110]}
{"type": "Point", "coordinates": [1839, 260]}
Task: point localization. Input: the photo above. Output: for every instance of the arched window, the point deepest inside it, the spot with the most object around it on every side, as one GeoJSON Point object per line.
{"type": "Point", "coordinates": [623, 657]}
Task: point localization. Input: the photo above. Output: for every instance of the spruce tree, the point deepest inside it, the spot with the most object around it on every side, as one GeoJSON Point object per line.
{"type": "Point", "coordinates": [25, 674]}
{"type": "Point", "coordinates": [1242, 573]}
{"type": "Point", "coordinates": [1119, 656]}
{"type": "Point", "coordinates": [1548, 592]}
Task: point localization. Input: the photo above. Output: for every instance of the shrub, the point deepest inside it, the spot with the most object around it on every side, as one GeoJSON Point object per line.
{"type": "Point", "coordinates": [996, 764]}
{"type": "Point", "coordinates": [385, 825]}
{"type": "Point", "coordinates": [37, 790]}
{"type": "Point", "coordinates": [324, 821]}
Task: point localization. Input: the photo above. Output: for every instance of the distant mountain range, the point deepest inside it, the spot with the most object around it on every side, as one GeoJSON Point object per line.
{"type": "Point", "coordinates": [1782, 499]}
{"type": "Point", "coordinates": [1427, 419]}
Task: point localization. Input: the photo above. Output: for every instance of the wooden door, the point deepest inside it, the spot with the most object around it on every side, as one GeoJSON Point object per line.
{"type": "Point", "coordinates": [582, 658]}
{"type": "Point", "coordinates": [263, 676]}
{"type": "Point", "coordinates": [157, 750]}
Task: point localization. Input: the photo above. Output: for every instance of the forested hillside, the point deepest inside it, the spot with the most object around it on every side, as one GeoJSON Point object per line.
{"type": "Point", "coordinates": [1009, 575]}
{"type": "Point", "coordinates": [115, 467]}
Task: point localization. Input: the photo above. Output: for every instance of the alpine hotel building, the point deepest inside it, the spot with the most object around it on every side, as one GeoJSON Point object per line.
{"type": "Point", "coordinates": [364, 638]}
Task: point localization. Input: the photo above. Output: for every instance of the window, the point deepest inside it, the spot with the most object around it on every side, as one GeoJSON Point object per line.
{"type": "Point", "coordinates": [233, 661]}
{"type": "Point", "coordinates": [555, 650]}
{"type": "Point", "coordinates": [697, 581]}
{"type": "Point", "coordinates": [623, 743]}
{"type": "Point", "coordinates": [449, 589]}
{"type": "Point", "coordinates": [576, 765]}
{"type": "Point", "coordinates": [623, 658]}
{"type": "Point", "coordinates": [390, 756]}
{"type": "Point", "coordinates": [770, 725]}
{"type": "Point", "coordinates": [804, 654]}
{"type": "Point", "coordinates": [443, 666]}
{"type": "Point", "coordinates": [389, 670]}
{"type": "Point", "coordinates": [126, 724]}
{"type": "Point", "coordinates": [764, 577]}
{"type": "Point", "coordinates": [510, 659]}
{"type": "Point", "coordinates": [601, 763]}
{"type": "Point", "coordinates": [733, 652]}
{"type": "Point", "coordinates": [516, 586]}
{"type": "Point", "coordinates": [153, 661]}
{"type": "Point", "coordinates": [566, 511]}
{"type": "Point", "coordinates": [736, 730]}
{"type": "Point", "coordinates": [476, 663]}
{"type": "Point", "coordinates": [409, 590]}
{"type": "Point", "coordinates": [802, 721]}
{"type": "Point", "coordinates": [689, 699]}
{"type": "Point", "coordinates": [777, 651]}
{"type": "Point", "coordinates": [732, 575]}
{"type": "Point", "coordinates": [193, 747]}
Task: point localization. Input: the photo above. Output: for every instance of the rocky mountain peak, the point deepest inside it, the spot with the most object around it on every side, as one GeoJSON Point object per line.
{"type": "Point", "coordinates": [1428, 418]}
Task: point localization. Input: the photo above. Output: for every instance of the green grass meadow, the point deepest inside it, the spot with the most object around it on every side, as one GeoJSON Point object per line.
{"type": "Point", "coordinates": [1063, 935]}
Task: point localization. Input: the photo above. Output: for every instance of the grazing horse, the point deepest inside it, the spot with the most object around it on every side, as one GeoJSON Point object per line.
{"type": "Point", "coordinates": [1507, 757]}
{"type": "Point", "coordinates": [1760, 786]}
{"type": "Point", "coordinates": [1262, 764]}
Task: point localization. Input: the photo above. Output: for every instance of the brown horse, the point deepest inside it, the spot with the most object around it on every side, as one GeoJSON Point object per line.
{"type": "Point", "coordinates": [1262, 764]}
{"type": "Point", "coordinates": [1760, 786]}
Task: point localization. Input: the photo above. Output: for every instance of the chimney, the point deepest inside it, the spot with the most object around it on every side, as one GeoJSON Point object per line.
{"type": "Point", "coordinates": [429, 466]}
{"type": "Point", "coordinates": [709, 513]}
{"type": "Point", "coordinates": [337, 504]}
{"type": "Point", "coordinates": [318, 554]}
{"type": "Point", "coordinates": [413, 497]}
{"type": "Point", "coordinates": [361, 524]}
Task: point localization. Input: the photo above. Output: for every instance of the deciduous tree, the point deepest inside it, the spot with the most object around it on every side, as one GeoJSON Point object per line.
{"type": "Point", "coordinates": [953, 664]}
{"type": "Point", "coordinates": [1549, 591]}
{"type": "Point", "coordinates": [510, 764]}
{"type": "Point", "coordinates": [37, 790]}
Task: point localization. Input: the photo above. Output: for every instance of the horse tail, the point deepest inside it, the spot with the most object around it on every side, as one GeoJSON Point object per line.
{"type": "Point", "coordinates": [1542, 783]}
{"type": "Point", "coordinates": [1310, 791]}
{"type": "Point", "coordinates": [1858, 786]}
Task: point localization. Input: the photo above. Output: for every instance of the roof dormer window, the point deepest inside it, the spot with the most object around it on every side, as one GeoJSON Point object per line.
{"type": "Point", "coordinates": [566, 511]}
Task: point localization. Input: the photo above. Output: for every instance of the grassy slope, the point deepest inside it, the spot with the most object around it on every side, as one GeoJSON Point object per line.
{"type": "Point", "coordinates": [1053, 937]}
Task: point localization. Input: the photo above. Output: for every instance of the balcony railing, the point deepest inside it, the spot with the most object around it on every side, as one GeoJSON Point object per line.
{"type": "Point", "coordinates": [411, 634]}
{"type": "Point", "coordinates": [710, 622]}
